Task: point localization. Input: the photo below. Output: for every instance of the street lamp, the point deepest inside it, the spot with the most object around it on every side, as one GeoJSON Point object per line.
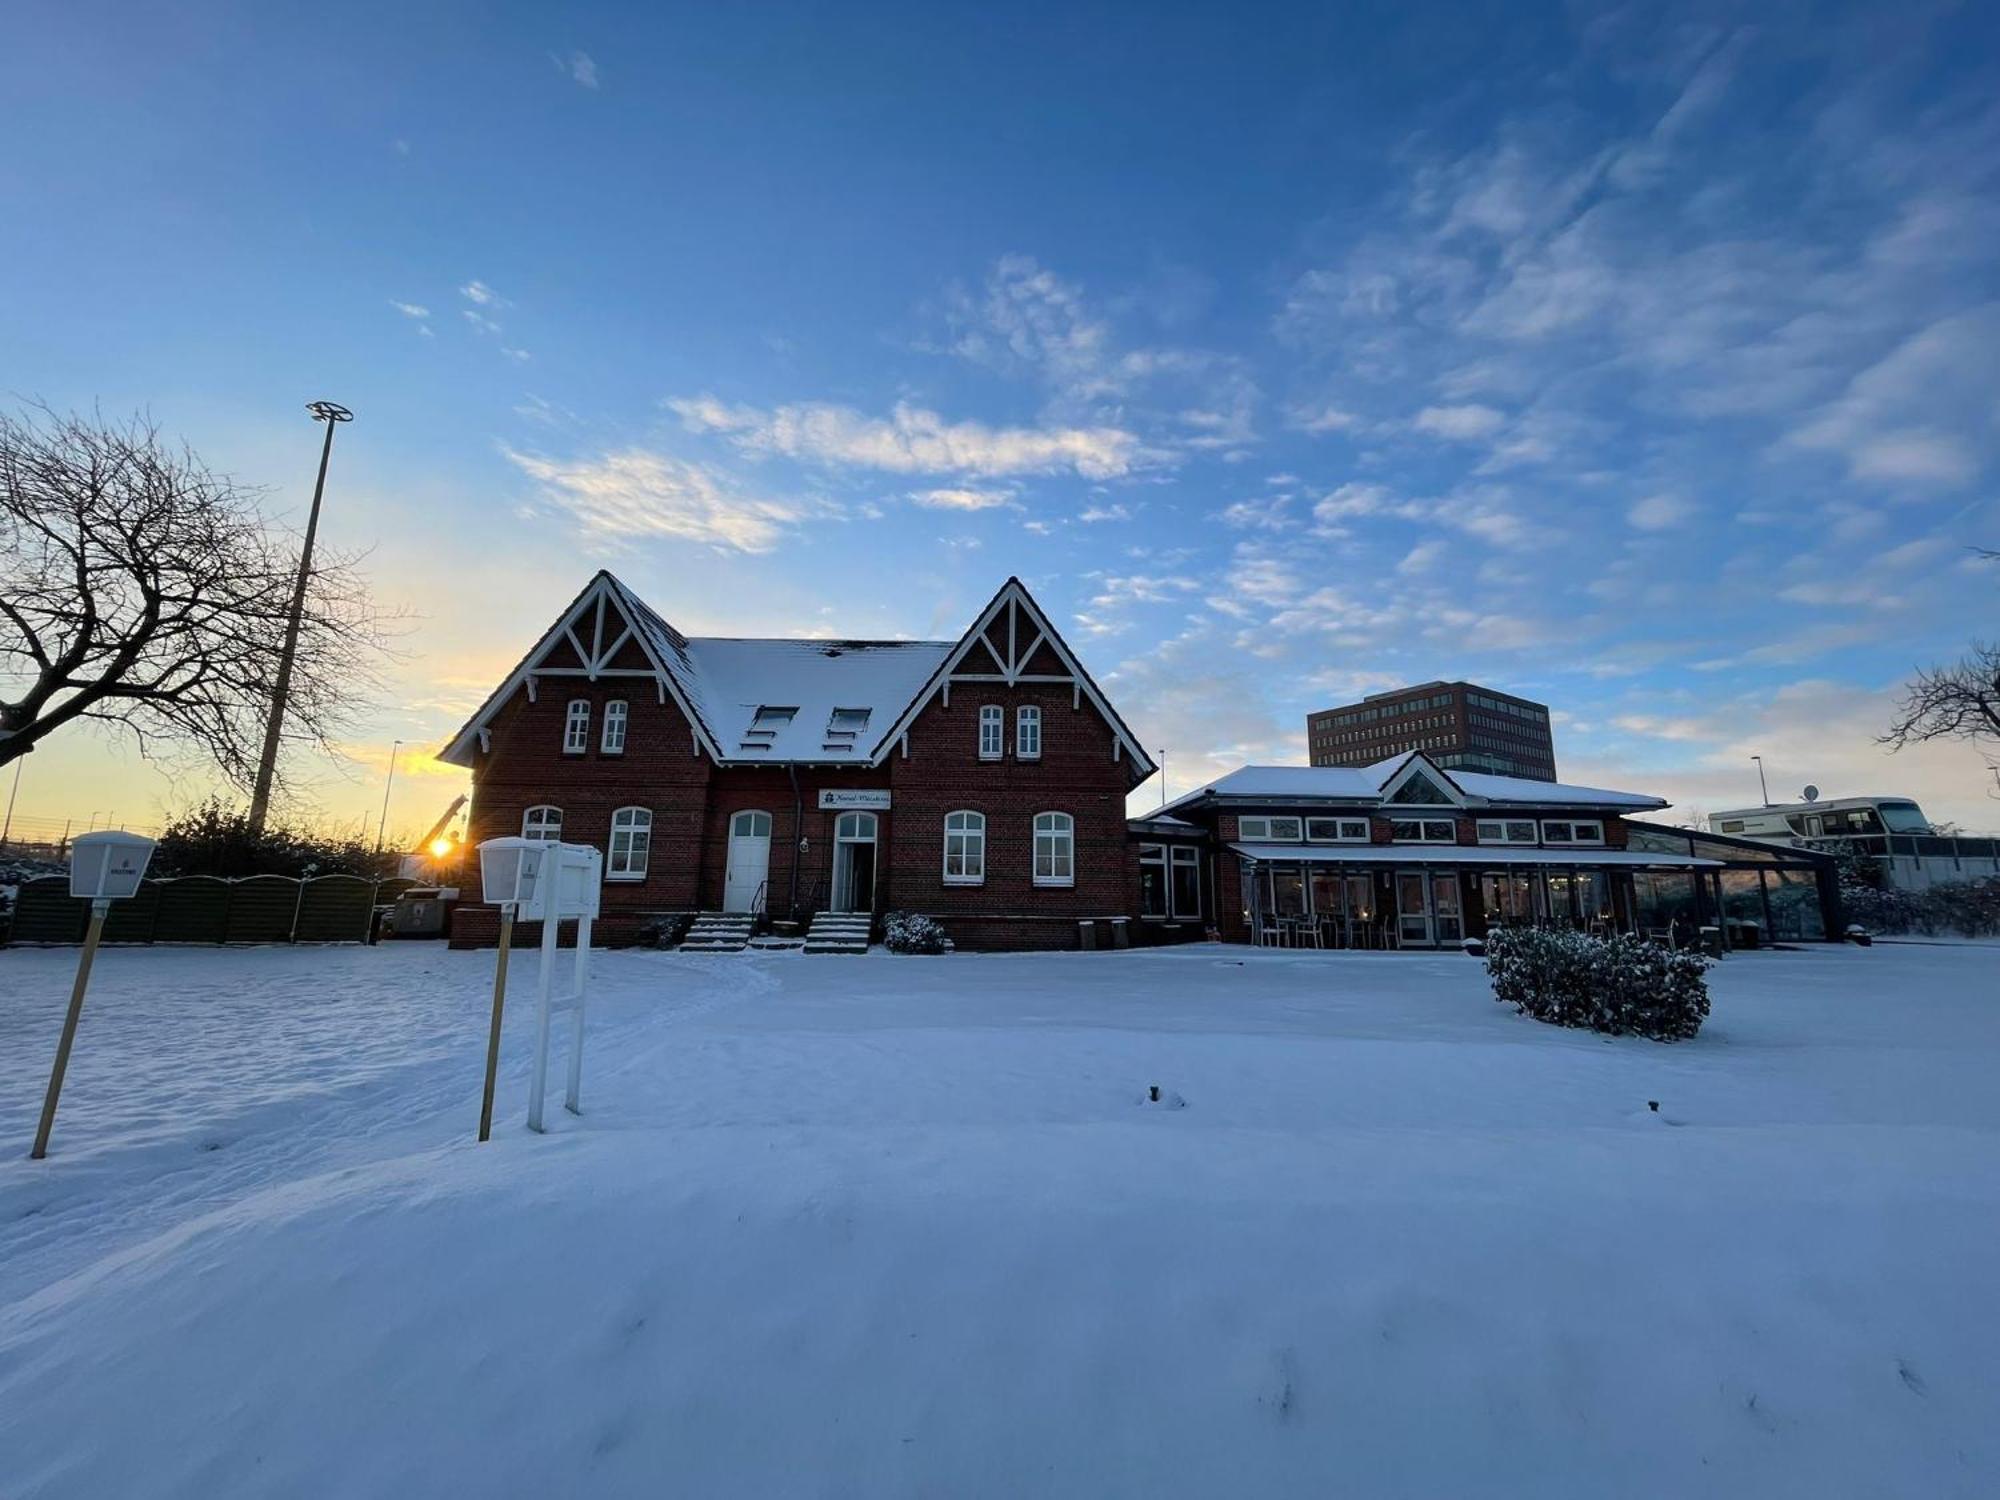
{"type": "Point", "coordinates": [1760, 779]}
{"type": "Point", "coordinates": [267, 763]}
{"type": "Point", "coordinates": [384, 823]}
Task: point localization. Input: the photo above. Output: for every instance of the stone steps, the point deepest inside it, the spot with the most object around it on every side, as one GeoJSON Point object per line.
{"type": "Point", "coordinates": [719, 932]}
{"type": "Point", "coordinates": [839, 932]}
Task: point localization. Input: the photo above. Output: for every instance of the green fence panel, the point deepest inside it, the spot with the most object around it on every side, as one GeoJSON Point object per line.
{"type": "Point", "coordinates": [132, 920]}
{"type": "Point", "coordinates": [192, 909]}
{"type": "Point", "coordinates": [262, 909]}
{"type": "Point", "coordinates": [45, 912]}
{"type": "Point", "coordinates": [336, 909]}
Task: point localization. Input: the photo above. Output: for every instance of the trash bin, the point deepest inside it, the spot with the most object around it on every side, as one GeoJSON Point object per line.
{"type": "Point", "coordinates": [1086, 934]}
{"type": "Point", "coordinates": [1121, 932]}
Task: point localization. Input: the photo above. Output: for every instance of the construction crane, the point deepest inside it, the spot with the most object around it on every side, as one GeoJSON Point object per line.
{"type": "Point", "coordinates": [428, 844]}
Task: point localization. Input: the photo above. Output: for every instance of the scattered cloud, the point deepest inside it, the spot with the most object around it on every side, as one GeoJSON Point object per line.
{"type": "Point", "coordinates": [579, 67]}
{"type": "Point", "coordinates": [912, 440]}
{"type": "Point", "coordinates": [1460, 424]}
{"type": "Point", "coordinates": [481, 295]}
{"type": "Point", "coordinates": [631, 494]}
{"type": "Point", "coordinates": [965, 498]}
{"type": "Point", "coordinates": [410, 309]}
{"type": "Point", "coordinates": [1659, 512]}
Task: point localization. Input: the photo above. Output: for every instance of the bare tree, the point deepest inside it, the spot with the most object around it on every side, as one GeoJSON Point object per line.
{"type": "Point", "coordinates": [1956, 702]}
{"type": "Point", "coordinates": [142, 592]}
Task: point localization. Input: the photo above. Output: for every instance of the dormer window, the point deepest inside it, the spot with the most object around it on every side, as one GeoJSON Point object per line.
{"type": "Point", "coordinates": [576, 727]}
{"type": "Point", "coordinates": [1028, 732]}
{"type": "Point", "coordinates": [992, 731]}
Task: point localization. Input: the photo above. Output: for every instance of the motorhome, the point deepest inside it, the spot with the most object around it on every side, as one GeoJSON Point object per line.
{"type": "Point", "coordinates": [1891, 830]}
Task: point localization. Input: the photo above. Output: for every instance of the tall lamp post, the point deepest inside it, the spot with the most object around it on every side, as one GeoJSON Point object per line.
{"type": "Point", "coordinates": [382, 826]}
{"type": "Point", "coordinates": [267, 763]}
{"type": "Point", "coordinates": [1760, 779]}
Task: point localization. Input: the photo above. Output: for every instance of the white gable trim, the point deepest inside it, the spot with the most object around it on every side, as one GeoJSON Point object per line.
{"type": "Point", "coordinates": [1011, 666]}
{"type": "Point", "coordinates": [1420, 764]}
{"type": "Point", "coordinates": [601, 590]}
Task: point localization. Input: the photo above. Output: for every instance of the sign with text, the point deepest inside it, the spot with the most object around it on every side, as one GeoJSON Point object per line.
{"type": "Point", "coordinates": [833, 800]}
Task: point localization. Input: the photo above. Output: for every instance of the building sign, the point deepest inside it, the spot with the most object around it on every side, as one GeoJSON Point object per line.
{"type": "Point", "coordinates": [831, 800]}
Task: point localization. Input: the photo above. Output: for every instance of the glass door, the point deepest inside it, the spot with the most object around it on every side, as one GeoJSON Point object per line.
{"type": "Point", "coordinates": [1446, 917]}
{"type": "Point", "coordinates": [1413, 910]}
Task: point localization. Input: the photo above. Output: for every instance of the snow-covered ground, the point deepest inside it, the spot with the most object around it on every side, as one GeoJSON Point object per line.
{"type": "Point", "coordinates": [911, 1227]}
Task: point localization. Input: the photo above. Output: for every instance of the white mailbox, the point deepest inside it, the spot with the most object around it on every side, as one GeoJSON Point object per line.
{"type": "Point", "coordinates": [108, 865]}
{"type": "Point", "coordinates": [533, 880]}
{"type": "Point", "coordinates": [540, 879]}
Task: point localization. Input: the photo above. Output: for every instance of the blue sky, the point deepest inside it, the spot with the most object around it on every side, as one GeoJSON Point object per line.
{"type": "Point", "coordinates": [1641, 360]}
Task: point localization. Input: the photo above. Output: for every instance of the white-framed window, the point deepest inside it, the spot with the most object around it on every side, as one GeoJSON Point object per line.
{"type": "Point", "coordinates": [616, 713]}
{"type": "Point", "coordinates": [992, 731]}
{"type": "Point", "coordinates": [576, 727]}
{"type": "Point", "coordinates": [1153, 897]}
{"type": "Point", "coordinates": [1271, 830]}
{"type": "Point", "coordinates": [544, 823]}
{"type": "Point", "coordinates": [1337, 830]}
{"type": "Point", "coordinates": [1424, 831]}
{"type": "Point", "coordinates": [1028, 732]}
{"type": "Point", "coordinates": [964, 848]}
{"type": "Point", "coordinates": [1185, 889]}
{"type": "Point", "coordinates": [1568, 831]}
{"type": "Point", "coordinates": [1055, 849]}
{"type": "Point", "coordinates": [1506, 830]}
{"type": "Point", "coordinates": [631, 842]}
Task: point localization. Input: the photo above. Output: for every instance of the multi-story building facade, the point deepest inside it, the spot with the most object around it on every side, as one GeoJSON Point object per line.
{"type": "Point", "coordinates": [1459, 725]}
{"type": "Point", "coordinates": [981, 781]}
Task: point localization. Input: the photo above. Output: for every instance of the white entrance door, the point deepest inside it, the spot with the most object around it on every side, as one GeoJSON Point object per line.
{"type": "Point", "coordinates": [749, 862]}
{"type": "Point", "coordinates": [854, 862]}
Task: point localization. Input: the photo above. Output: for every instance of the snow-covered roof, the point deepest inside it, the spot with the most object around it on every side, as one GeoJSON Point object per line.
{"type": "Point", "coordinates": [1465, 854]}
{"type": "Point", "coordinates": [1369, 784]}
{"type": "Point", "coordinates": [847, 700]}
{"type": "Point", "coordinates": [867, 682]}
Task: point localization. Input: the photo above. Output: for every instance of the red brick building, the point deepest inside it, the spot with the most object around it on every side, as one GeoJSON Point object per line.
{"type": "Point", "coordinates": [1408, 854]}
{"type": "Point", "coordinates": [981, 780]}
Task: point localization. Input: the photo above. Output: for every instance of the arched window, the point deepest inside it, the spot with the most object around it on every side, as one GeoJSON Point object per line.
{"type": "Point", "coordinates": [616, 713]}
{"type": "Point", "coordinates": [631, 842]}
{"type": "Point", "coordinates": [543, 823]}
{"type": "Point", "coordinates": [750, 825]}
{"type": "Point", "coordinates": [1055, 849]}
{"type": "Point", "coordinates": [576, 728]}
{"type": "Point", "coordinates": [854, 828]}
{"type": "Point", "coordinates": [964, 848]}
{"type": "Point", "coordinates": [1028, 732]}
{"type": "Point", "coordinates": [992, 731]}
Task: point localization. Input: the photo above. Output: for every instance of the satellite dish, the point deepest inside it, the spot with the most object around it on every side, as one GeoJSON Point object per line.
{"type": "Point", "coordinates": [1812, 794]}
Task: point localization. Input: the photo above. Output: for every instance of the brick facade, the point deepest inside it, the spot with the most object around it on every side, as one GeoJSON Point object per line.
{"type": "Point", "coordinates": [933, 768]}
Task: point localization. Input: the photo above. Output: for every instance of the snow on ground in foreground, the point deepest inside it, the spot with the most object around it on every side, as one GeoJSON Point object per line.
{"type": "Point", "coordinates": [906, 1226]}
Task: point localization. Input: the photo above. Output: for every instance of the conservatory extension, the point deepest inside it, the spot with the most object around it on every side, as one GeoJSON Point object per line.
{"type": "Point", "coordinates": [1403, 854]}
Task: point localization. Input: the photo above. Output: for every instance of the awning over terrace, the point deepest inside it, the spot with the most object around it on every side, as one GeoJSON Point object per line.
{"type": "Point", "coordinates": [1460, 854]}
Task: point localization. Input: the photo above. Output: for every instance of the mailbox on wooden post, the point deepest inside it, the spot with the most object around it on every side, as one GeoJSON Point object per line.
{"type": "Point", "coordinates": [104, 867]}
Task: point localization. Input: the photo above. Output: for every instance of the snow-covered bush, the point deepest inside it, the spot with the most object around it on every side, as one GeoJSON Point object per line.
{"type": "Point", "coordinates": [913, 932]}
{"type": "Point", "coordinates": [1970, 908]}
{"type": "Point", "coordinates": [1621, 985]}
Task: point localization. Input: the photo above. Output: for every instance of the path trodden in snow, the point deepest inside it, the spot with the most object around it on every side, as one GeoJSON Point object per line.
{"type": "Point", "coordinates": [915, 1226]}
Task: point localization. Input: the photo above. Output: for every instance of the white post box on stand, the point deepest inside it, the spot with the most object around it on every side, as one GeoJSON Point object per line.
{"type": "Point", "coordinates": [104, 867]}
{"type": "Point", "coordinates": [541, 881]}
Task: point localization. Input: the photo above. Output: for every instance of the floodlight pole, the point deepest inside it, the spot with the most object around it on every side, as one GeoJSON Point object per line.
{"type": "Point", "coordinates": [267, 763]}
{"type": "Point", "coordinates": [1760, 779]}
{"type": "Point", "coordinates": [381, 828]}
{"type": "Point", "coordinates": [7, 828]}
{"type": "Point", "coordinates": [99, 909]}
{"type": "Point", "coordinates": [493, 1036]}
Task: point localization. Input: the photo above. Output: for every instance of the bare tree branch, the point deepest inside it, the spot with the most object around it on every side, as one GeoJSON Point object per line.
{"type": "Point", "coordinates": [140, 591]}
